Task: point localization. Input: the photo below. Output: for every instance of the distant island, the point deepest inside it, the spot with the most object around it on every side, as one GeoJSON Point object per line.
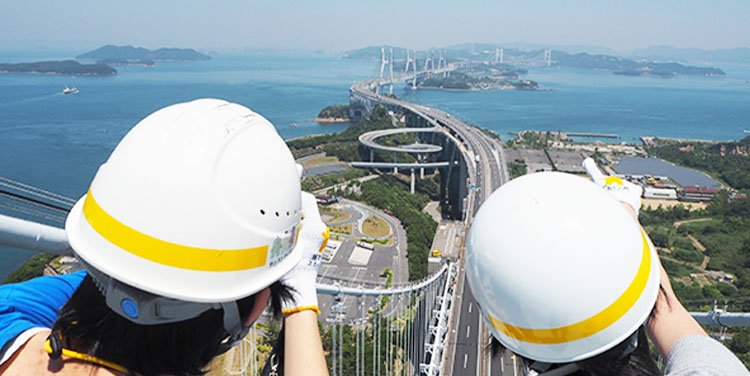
{"type": "Point", "coordinates": [334, 114]}
{"type": "Point", "coordinates": [129, 55]}
{"type": "Point", "coordinates": [66, 67]}
{"type": "Point", "coordinates": [480, 76]}
{"type": "Point", "coordinates": [458, 81]}
{"type": "Point", "coordinates": [628, 67]}
{"type": "Point", "coordinates": [535, 58]}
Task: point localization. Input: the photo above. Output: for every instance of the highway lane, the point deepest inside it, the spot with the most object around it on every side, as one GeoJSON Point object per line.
{"type": "Point", "coordinates": [465, 347]}
{"type": "Point", "coordinates": [469, 342]}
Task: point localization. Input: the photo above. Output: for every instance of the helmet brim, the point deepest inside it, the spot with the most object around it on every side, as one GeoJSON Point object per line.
{"type": "Point", "coordinates": [187, 285]}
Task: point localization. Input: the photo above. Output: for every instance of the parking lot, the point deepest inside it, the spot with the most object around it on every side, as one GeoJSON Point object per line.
{"type": "Point", "coordinates": [535, 160]}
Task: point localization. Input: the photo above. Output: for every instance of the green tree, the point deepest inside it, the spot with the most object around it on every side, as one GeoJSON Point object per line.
{"type": "Point", "coordinates": [33, 268]}
{"type": "Point", "coordinates": [740, 343]}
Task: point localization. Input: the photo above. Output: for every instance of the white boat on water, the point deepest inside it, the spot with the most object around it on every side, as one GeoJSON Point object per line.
{"type": "Point", "coordinates": [70, 90]}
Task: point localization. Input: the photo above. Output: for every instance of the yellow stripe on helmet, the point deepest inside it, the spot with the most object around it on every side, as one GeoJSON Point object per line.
{"type": "Point", "coordinates": [591, 325]}
{"type": "Point", "coordinates": [166, 253]}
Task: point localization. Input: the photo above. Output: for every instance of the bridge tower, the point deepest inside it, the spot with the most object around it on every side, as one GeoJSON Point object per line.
{"type": "Point", "coordinates": [445, 63]}
{"type": "Point", "coordinates": [442, 61]}
{"type": "Point", "coordinates": [383, 62]}
{"type": "Point", "coordinates": [426, 60]}
{"type": "Point", "coordinates": [414, 64]}
{"type": "Point", "coordinates": [390, 67]}
{"type": "Point", "coordinates": [548, 57]}
{"type": "Point", "coordinates": [498, 55]}
{"type": "Point", "coordinates": [410, 60]}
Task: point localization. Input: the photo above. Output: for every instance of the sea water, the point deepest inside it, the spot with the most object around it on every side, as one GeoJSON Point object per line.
{"type": "Point", "coordinates": [56, 142]}
{"type": "Point", "coordinates": [711, 108]}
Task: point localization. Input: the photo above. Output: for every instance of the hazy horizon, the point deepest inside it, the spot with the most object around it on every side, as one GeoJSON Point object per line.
{"type": "Point", "coordinates": [337, 26]}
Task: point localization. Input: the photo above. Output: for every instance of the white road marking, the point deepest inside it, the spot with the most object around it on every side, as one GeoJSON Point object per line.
{"type": "Point", "coordinates": [466, 359]}
{"type": "Point", "coordinates": [470, 305]}
{"type": "Point", "coordinates": [468, 330]}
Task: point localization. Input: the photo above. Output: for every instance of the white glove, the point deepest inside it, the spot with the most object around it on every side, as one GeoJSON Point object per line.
{"type": "Point", "coordinates": [313, 237]}
{"type": "Point", "coordinates": [622, 190]}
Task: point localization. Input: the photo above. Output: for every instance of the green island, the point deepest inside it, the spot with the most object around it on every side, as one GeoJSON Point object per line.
{"type": "Point", "coordinates": [337, 113]}
{"type": "Point", "coordinates": [129, 55]}
{"type": "Point", "coordinates": [459, 81]}
{"type": "Point", "coordinates": [627, 67]}
{"type": "Point", "coordinates": [66, 67]}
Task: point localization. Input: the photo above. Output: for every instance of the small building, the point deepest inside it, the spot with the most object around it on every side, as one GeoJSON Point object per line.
{"type": "Point", "coordinates": [327, 199]}
{"type": "Point", "coordinates": [68, 260]}
{"type": "Point", "coordinates": [659, 193]}
{"type": "Point", "coordinates": [698, 193]}
{"type": "Point", "coordinates": [735, 196]}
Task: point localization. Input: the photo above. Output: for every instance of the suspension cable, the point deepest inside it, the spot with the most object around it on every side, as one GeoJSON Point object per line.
{"type": "Point", "coordinates": [36, 191]}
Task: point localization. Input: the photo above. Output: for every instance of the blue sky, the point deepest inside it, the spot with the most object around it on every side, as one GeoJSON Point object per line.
{"type": "Point", "coordinates": [338, 25]}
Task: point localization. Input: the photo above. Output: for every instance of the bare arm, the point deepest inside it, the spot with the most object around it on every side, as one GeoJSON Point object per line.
{"type": "Point", "coordinates": [670, 321]}
{"type": "Point", "coordinates": [302, 345]}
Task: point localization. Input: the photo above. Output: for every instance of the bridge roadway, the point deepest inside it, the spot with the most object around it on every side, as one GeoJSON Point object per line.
{"type": "Point", "coordinates": [368, 139]}
{"type": "Point", "coordinates": [465, 344]}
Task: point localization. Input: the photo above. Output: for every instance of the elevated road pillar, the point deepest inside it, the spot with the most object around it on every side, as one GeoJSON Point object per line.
{"type": "Point", "coordinates": [421, 158]}
{"type": "Point", "coordinates": [412, 180]}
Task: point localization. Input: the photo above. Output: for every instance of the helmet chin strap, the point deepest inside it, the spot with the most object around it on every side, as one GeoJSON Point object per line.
{"type": "Point", "coordinates": [233, 326]}
{"type": "Point", "coordinates": [144, 308]}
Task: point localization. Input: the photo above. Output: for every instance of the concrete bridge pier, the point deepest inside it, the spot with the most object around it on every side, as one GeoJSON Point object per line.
{"type": "Point", "coordinates": [372, 156]}
{"type": "Point", "coordinates": [412, 180]}
{"type": "Point", "coordinates": [421, 158]}
{"type": "Point", "coordinates": [395, 160]}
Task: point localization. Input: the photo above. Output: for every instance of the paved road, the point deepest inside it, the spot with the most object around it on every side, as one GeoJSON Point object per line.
{"type": "Point", "coordinates": [383, 257]}
{"type": "Point", "coordinates": [487, 170]}
{"type": "Point", "coordinates": [468, 347]}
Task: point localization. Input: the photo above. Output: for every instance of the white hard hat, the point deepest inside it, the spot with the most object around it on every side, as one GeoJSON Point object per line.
{"type": "Point", "coordinates": [199, 202]}
{"type": "Point", "coordinates": [560, 269]}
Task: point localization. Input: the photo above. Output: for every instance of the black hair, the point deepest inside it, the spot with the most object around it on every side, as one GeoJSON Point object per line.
{"type": "Point", "coordinates": [87, 325]}
{"type": "Point", "coordinates": [609, 363]}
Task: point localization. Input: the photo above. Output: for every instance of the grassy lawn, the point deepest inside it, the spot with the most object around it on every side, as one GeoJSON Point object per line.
{"type": "Point", "coordinates": [321, 160]}
{"type": "Point", "coordinates": [342, 229]}
{"type": "Point", "coordinates": [653, 203]}
{"type": "Point", "coordinates": [375, 227]}
{"type": "Point", "coordinates": [337, 215]}
{"type": "Point", "coordinates": [383, 242]}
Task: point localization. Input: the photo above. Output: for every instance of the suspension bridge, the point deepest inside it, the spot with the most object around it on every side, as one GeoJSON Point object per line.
{"type": "Point", "coordinates": [430, 327]}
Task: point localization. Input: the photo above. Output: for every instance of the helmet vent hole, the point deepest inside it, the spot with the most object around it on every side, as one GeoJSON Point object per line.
{"type": "Point", "coordinates": [277, 214]}
{"type": "Point", "coordinates": [287, 214]}
{"type": "Point", "coordinates": [262, 212]}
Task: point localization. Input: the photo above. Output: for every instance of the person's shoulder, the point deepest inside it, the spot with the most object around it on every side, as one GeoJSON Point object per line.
{"type": "Point", "coordinates": [702, 355]}
{"type": "Point", "coordinates": [32, 359]}
{"type": "Point", "coordinates": [48, 288]}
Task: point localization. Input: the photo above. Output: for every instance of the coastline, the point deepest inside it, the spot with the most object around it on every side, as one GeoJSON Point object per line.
{"type": "Point", "coordinates": [327, 120]}
{"type": "Point", "coordinates": [472, 89]}
{"type": "Point", "coordinates": [59, 73]}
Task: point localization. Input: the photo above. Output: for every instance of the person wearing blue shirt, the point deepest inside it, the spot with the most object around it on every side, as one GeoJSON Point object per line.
{"type": "Point", "coordinates": [29, 307]}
